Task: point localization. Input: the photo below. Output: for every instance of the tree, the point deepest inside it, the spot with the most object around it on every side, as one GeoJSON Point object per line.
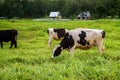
{"type": "Point", "coordinates": [114, 7]}
{"type": "Point", "coordinates": [68, 8]}
{"type": "Point", "coordinates": [101, 11]}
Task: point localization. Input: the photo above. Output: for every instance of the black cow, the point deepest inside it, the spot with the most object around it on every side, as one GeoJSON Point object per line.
{"type": "Point", "coordinates": [8, 35]}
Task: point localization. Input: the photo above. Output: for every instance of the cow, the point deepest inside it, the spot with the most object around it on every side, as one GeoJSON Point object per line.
{"type": "Point", "coordinates": [56, 34]}
{"type": "Point", "coordinates": [8, 35]}
{"type": "Point", "coordinates": [80, 38]}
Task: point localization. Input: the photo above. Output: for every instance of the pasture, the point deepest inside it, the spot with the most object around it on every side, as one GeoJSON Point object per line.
{"type": "Point", "coordinates": [32, 59]}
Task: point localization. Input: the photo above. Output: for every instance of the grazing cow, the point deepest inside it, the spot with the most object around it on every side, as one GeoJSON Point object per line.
{"type": "Point", "coordinates": [56, 34]}
{"type": "Point", "coordinates": [80, 38]}
{"type": "Point", "coordinates": [8, 35]}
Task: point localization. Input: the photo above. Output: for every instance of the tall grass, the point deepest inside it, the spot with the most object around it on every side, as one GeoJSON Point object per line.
{"type": "Point", "coordinates": [32, 59]}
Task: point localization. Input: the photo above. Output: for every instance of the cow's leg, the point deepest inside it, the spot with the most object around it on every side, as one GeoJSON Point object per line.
{"type": "Point", "coordinates": [50, 41]}
{"type": "Point", "coordinates": [12, 42]}
{"type": "Point", "coordinates": [72, 50]}
{"type": "Point", "coordinates": [1, 44]}
{"type": "Point", "coordinates": [100, 45]}
{"type": "Point", "coordinates": [15, 44]}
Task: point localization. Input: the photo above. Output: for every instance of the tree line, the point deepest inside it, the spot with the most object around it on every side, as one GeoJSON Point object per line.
{"type": "Point", "coordinates": [68, 8]}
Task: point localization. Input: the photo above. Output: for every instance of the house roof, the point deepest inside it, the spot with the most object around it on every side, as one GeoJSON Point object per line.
{"type": "Point", "coordinates": [54, 14]}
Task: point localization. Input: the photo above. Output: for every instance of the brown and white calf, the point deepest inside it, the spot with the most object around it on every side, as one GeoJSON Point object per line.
{"type": "Point", "coordinates": [80, 38]}
{"type": "Point", "coordinates": [8, 35]}
{"type": "Point", "coordinates": [56, 34]}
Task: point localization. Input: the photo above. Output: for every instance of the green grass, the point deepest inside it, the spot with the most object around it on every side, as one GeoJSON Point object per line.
{"type": "Point", "coordinates": [32, 59]}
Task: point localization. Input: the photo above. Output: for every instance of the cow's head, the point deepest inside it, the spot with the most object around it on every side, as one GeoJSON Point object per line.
{"type": "Point", "coordinates": [56, 51]}
{"type": "Point", "coordinates": [66, 43]}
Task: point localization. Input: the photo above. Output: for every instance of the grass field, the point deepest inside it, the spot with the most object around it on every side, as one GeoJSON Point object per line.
{"type": "Point", "coordinates": [32, 59]}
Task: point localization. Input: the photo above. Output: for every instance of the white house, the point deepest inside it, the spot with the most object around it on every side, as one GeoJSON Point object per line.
{"type": "Point", "coordinates": [55, 15]}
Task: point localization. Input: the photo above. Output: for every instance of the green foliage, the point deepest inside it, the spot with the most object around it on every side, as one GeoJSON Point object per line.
{"type": "Point", "coordinates": [32, 59]}
{"type": "Point", "coordinates": [68, 8]}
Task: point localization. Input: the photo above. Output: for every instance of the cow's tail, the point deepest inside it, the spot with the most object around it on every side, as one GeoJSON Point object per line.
{"type": "Point", "coordinates": [103, 34]}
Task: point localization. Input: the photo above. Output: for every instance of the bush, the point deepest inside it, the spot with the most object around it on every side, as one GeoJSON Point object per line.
{"type": "Point", "coordinates": [116, 17]}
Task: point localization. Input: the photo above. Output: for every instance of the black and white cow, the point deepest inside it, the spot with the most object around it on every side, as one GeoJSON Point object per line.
{"type": "Point", "coordinates": [80, 38]}
{"type": "Point", "coordinates": [56, 34]}
{"type": "Point", "coordinates": [8, 35]}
